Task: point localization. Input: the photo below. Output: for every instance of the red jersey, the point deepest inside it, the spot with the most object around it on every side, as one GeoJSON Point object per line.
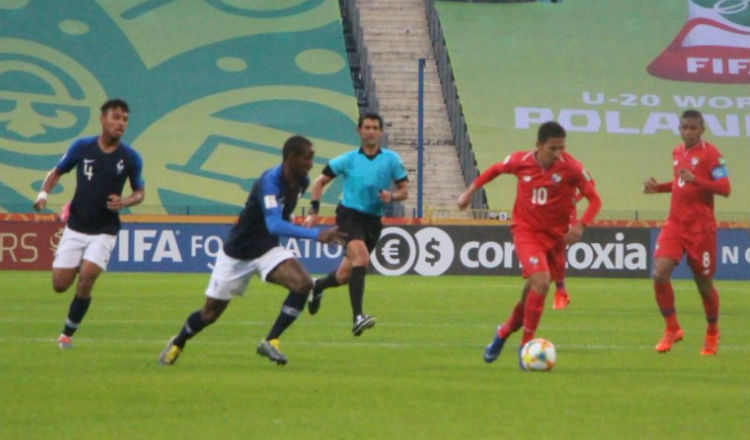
{"type": "Point", "coordinates": [545, 197]}
{"type": "Point", "coordinates": [692, 206]}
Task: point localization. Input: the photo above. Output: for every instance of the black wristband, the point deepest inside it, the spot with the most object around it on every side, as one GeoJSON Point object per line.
{"type": "Point", "coordinates": [314, 206]}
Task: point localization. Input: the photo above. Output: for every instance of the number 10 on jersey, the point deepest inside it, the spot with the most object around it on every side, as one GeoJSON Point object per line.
{"type": "Point", "coordinates": [539, 196]}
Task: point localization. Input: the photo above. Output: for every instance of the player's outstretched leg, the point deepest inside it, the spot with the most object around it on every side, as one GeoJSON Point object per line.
{"type": "Point", "coordinates": [711, 307]}
{"type": "Point", "coordinates": [668, 339]}
{"type": "Point", "coordinates": [76, 312]}
{"type": "Point", "coordinates": [493, 349]}
{"type": "Point", "coordinates": [270, 349]}
{"type": "Point", "coordinates": [673, 333]}
{"type": "Point", "coordinates": [194, 324]}
{"type": "Point", "coordinates": [290, 310]}
{"type": "Point", "coordinates": [319, 285]}
{"type": "Point", "coordinates": [316, 296]}
{"type": "Point", "coordinates": [362, 323]}
{"type": "Point", "coordinates": [562, 299]}
{"type": "Point", "coordinates": [171, 352]}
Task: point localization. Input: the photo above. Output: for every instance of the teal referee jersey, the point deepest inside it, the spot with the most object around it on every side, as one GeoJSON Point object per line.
{"type": "Point", "coordinates": [365, 176]}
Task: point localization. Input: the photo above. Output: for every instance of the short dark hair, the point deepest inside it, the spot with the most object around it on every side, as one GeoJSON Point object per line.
{"type": "Point", "coordinates": [295, 145]}
{"type": "Point", "coordinates": [370, 115]}
{"type": "Point", "coordinates": [115, 103]}
{"type": "Point", "coordinates": [550, 129]}
{"type": "Point", "coordinates": [692, 114]}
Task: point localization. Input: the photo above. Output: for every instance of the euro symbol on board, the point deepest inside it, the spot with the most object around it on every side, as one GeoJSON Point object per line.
{"type": "Point", "coordinates": [389, 252]}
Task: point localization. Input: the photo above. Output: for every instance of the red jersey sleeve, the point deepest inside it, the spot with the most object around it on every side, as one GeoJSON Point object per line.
{"type": "Point", "coordinates": [507, 166]}
{"type": "Point", "coordinates": [585, 184]}
{"type": "Point", "coordinates": [718, 180]}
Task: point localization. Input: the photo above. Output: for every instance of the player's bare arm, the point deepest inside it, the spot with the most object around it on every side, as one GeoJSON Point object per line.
{"type": "Point", "coordinates": [331, 235]}
{"type": "Point", "coordinates": [49, 182]}
{"type": "Point", "coordinates": [465, 198]}
{"type": "Point", "coordinates": [116, 203]}
{"type": "Point", "coordinates": [315, 193]}
{"type": "Point", "coordinates": [651, 186]}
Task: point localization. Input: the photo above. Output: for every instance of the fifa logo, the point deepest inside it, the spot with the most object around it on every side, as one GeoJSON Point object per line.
{"type": "Point", "coordinates": [712, 45]}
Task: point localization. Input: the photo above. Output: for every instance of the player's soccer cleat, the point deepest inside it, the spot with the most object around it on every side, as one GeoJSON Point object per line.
{"type": "Point", "coordinates": [64, 342]}
{"type": "Point", "coordinates": [270, 349]}
{"type": "Point", "coordinates": [362, 323]}
{"type": "Point", "coordinates": [493, 349]}
{"type": "Point", "coordinates": [562, 299]}
{"type": "Point", "coordinates": [710, 344]}
{"type": "Point", "coordinates": [171, 352]}
{"type": "Point", "coordinates": [313, 301]}
{"type": "Point", "coordinates": [669, 338]}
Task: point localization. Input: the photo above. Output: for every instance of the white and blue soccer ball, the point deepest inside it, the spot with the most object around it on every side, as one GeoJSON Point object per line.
{"type": "Point", "coordinates": [538, 355]}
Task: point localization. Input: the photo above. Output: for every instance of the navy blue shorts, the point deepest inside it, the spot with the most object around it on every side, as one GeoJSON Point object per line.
{"type": "Point", "coordinates": [359, 226]}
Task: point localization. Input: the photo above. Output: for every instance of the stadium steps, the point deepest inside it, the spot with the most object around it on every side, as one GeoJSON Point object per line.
{"type": "Point", "coordinates": [396, 35]}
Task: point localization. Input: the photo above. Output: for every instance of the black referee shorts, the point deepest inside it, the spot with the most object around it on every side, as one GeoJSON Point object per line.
{"type": "Point", "coordinates": [359, 226]}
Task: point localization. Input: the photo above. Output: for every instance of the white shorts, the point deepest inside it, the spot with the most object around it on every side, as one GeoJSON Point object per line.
{"type": "Point", "coordinates": [76, 246]}
{"type": "Point", "coordinates": [230, 276]}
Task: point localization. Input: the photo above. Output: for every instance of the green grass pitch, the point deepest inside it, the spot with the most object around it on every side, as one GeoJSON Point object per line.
{"type": "Point", "coordinates": [418, 374]}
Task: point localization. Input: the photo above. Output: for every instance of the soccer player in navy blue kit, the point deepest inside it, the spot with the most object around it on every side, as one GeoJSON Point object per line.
{"type": "Point", "coordinates": [253, 248]}
{"type": "Point", "coordinates": [368, 174]}
{"type": "Point", "coordinates": [103, 163]}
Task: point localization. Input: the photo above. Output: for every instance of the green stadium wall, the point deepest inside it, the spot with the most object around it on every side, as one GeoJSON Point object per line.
{"type": "Point", "coordinates": [586, 63]}
{"type": "Point", "coordinates": [215, 88]}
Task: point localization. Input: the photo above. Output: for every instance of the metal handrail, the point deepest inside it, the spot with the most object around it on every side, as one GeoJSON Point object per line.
{"type": "Point", "coordinates": [466, 157]}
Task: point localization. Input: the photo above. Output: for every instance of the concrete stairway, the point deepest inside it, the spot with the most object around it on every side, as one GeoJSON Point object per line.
{"type": "Point", "coordinates": [396, 35]}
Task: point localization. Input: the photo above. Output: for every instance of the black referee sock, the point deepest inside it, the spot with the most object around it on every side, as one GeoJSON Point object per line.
{"type": "Point", "coordinates": [76, 311]}
{"type": "Point", "coordinates": [192, 327]}
{"type": "Point", "coordinates": [357, 289]}
{"type": "Point", "coordinates": [290, 310]}
{"type": "Point", "coordinates": [329, 281]}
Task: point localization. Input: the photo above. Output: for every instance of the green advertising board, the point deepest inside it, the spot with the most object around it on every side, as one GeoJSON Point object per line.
{"type": "Point", "coordinates": [617, 75]}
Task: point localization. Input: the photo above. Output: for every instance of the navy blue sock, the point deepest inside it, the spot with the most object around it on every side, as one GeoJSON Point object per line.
{"type": "Point", "coordinates": [357, 289]}
{"type": "Point", "coordinates": [193, 326]}
{"type": "Point", "coordinates": [76, 311]}
{"type": "Point", "coordinates": [293, 305]}
{"type": "Point", "coordinates": [329, 281]}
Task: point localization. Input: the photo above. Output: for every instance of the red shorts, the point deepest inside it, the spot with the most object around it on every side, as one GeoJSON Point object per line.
{"type": "Point", "coordinates": [539, 253]}
{"type": "Point", "coordinates": [700, 247]}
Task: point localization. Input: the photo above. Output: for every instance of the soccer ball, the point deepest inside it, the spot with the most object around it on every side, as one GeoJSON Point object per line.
{"type": "Point", "coordinates": [538, 355]}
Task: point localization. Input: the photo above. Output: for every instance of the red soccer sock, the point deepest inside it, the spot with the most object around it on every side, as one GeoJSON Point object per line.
{"type": "Point", "coordinates": [560, 286]}
{"type": "Point", "coordinates": [711, 306]}
{"type": "Point", "coordinates": [531, 315]}
{"type": "Point", "coordinates": [665, 300]}
{"type": "Point", "coordinates": [514, 322]}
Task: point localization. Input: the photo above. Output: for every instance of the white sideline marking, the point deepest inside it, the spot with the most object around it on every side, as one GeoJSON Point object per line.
{"type": "Point", "coordinates": [402, 345]}
{"type": "Point", "coordinates": [344, 324]}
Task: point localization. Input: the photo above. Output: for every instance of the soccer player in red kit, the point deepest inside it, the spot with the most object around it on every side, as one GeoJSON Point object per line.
{"type": "Point", "coordinates": [699, 173]}
{"type": "Point", "coordinates": [548, 179]}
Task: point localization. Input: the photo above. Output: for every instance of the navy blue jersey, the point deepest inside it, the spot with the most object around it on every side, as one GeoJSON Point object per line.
{"type": "Point", "coordinates": [266, 216]}
{"type": "Point", "coordinates": [99, 174]}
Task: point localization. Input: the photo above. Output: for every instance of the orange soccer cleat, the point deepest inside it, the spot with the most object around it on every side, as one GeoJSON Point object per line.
{"type": "Point", "coordinates": [710, 345]}
{"type": "Point", "coordinates": [670, 337]}
{"type": "Point", "coordinates": [562, 299]}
